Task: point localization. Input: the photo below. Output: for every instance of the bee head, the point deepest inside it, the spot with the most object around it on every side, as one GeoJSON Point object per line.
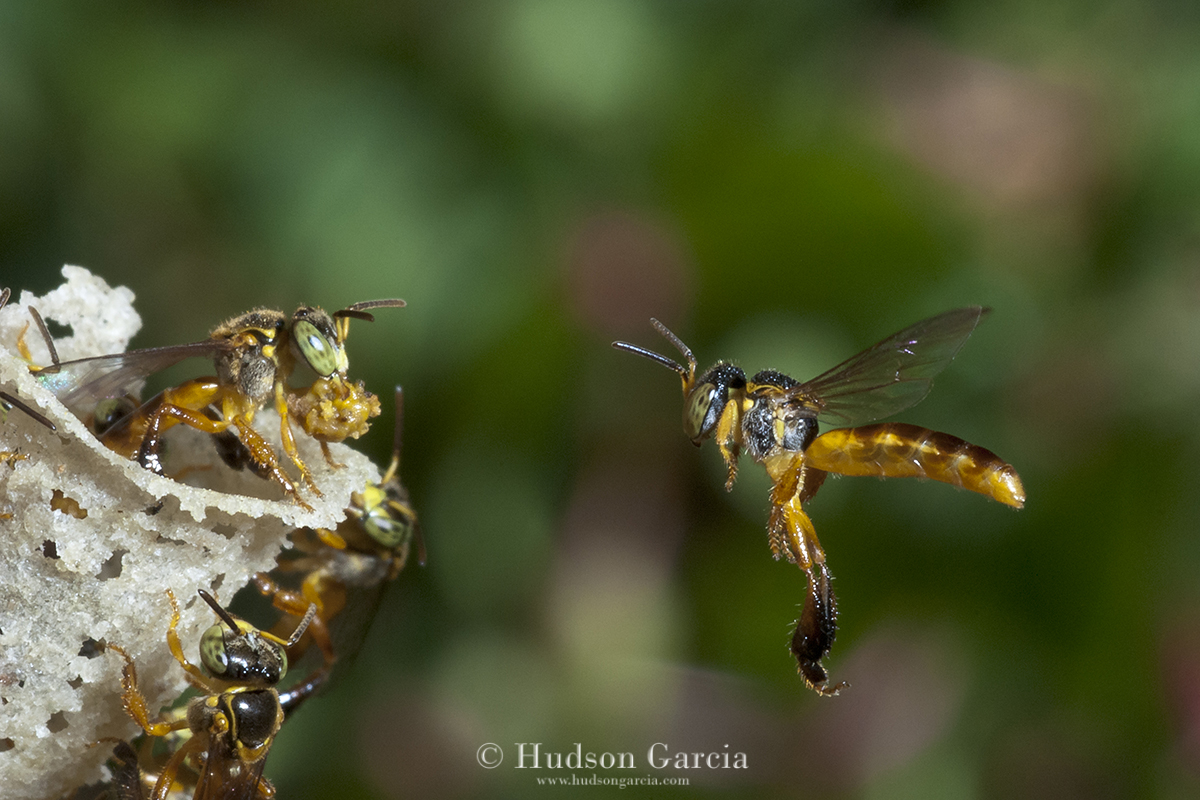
{"type": "Point", "coordinates": [703, 399]}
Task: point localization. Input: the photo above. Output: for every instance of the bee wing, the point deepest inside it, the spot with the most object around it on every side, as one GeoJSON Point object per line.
{"type": "Point", "coordinates": [891, 375]}
{"type": "Point", "coordinates": [82, 383]}
{"type": "Point", "coordinates": [225, 776]}
{"type": "Point", "coordinates": [126, 775]}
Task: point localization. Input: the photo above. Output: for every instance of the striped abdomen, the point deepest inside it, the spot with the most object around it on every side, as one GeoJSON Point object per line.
{"type": "Point", "coordinates": [897, 450]}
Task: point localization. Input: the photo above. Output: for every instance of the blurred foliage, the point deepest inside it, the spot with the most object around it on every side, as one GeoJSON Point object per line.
{"type": "Point", "coordinates": [783, 183]}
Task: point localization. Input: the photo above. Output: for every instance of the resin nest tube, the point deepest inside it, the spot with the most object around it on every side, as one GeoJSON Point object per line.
{"type": "Point", "coordinates": [92, 541]}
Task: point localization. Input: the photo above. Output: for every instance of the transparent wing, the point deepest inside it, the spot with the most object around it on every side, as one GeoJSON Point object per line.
{"type": "Point", "coordinates": [83, 383]}
{"type": "Point", "coordinates": [890, 376]}
{"type": "Point", "coordinates": [225, 776]}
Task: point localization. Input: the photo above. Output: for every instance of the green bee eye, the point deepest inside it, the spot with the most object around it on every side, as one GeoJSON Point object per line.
{"type": "Point", "coordinates": [385, 530]}
{"type": "Point", "coordinates": [696, 411]}
{"type": "Point", "coordinates": [212, 650]}
{"type": "Point", "coordinates": [283, 662]}
{"type": "Point", "coordinates": [317, 350]}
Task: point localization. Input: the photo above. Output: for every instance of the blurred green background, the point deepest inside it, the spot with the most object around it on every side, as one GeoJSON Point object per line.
{"type": "Point", "coordinates": [782, 183]}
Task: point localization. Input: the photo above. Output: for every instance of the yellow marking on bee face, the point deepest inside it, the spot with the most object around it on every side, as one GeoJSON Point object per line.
{"type": "Point", "coordinates": [269, 350]}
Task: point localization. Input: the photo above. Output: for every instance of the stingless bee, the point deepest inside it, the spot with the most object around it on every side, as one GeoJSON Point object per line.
{"type": "Point", "coordinates": [774, 418]}
{"type": "Point", "coordinates": [235, 719]}
{"type": "Point", "coordinates": [366, 552]}
{"type": "Point", "coordinates": [255, 354]}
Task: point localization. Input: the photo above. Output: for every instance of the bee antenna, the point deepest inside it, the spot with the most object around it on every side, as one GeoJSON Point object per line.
{"type": "Point", "coordinates": [303, 626]}
{"type": "Point", "coordinates": [359, 310]}
{"type": "Point", "coordinates": [350, 313]}
{"type": "Point", "coordinates": [688, 373]}
{"type": "Point", "coordinates": [679, 345]}
{"type": "Point", "coordinates": [395, 302]}
{"type": "Point", "coordinates": [225, 616]}
{"type": "Point", "coordinates": [8, 399]}
{"type": "Point", "coordinates": [37, 317]}
{"type": "Point", "coordinates": [653, 356]}
{"type": "Point", "coordinates": [398, 430]}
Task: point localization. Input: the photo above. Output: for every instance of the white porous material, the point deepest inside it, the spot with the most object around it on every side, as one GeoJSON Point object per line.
{"type": "Point", "coordinates": [67, 583]}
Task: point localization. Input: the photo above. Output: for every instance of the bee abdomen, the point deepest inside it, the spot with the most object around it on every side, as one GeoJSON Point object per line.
{"type": "Point", "coordinates": [898, 450]}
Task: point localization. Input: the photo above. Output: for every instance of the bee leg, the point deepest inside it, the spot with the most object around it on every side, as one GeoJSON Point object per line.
{"type": "Point", "coordinates": [289, 440]}
{"type": "Point", "coordinates": [195, 676]}
{"type": "Point", "coordinates": [790, 531]}
{"type": "Point", "coordinates": [817, 626]}
{"type": "Point", "coordinates": [815, 632]}
{"type": "Point", "coordinates": [265, 789]}
{"type": "Point", "coordinates": [264, 456]}
{"type": "Point", "coordinates": [163, 418]}
{"type": "Point", "coordinates": [231, 450]}
{"type": "Point", "coordinates": [162, 789]}
{"type": "Point", "coordinates": [296, 604]}
{"type": "Point", "coordinates": [727, 440]}
{"type": "Point", "coordinates": [135, 702]}
{"type": "Point", "coordinates": [329, 459]}
{"type": "Point", "coordinates": [781, 530]}
{"type": "Point", "coordinates": [137, 435]}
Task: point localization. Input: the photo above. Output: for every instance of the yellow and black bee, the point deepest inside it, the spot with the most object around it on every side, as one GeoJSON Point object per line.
{"type": "Point", "coordinates": [234, 720]}
{"type": "Point", "coordinates": [352, 565]}
{"type": "Point", "coordinates": [773, 419]}
{"type": "Point", "coordinates": [255, 354]}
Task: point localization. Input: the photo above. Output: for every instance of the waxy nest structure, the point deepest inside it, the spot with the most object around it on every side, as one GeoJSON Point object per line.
{"type": "Point", "coordinates": [91, 543]}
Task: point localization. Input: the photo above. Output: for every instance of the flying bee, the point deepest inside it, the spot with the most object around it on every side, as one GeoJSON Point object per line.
{"type": "Point", "coordinates": [773, 418]}
{"type": "Point", "coordinates": [234, 720]}
{"type": "Point", "coordinates": [355, 563]}
{"type": "Point", "coordinates": [255, 355]}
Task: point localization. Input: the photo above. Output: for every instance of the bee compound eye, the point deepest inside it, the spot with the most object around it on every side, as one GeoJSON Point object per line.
{"type": "Point", "coordinates": [111, 411]}
{"type": "Point", "coordinates": [697, 412]}
{"type": "Point", "coordinates": [283, 663]}
{"type": "Point", "coordinates": [386, 530]}
{"type": "Point", "coordinates": [316, 348]}
{"type": "Point", "coordinates": [212, 650]}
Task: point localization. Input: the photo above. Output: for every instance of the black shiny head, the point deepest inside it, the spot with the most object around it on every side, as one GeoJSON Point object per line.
{"type": "Point", "coordinates": [236, 651]}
